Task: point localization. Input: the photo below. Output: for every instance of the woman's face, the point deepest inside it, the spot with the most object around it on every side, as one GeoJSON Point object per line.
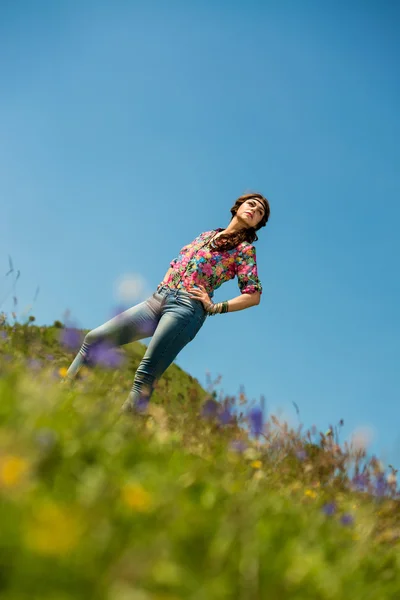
{"type": "Point", "coordinates": [251, 212]}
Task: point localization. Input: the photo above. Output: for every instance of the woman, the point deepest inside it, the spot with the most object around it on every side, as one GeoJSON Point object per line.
{"type": "Point", "coordinates": [174, 314]}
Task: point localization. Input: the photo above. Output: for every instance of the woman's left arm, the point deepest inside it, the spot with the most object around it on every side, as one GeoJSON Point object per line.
{"type": "Point", "coordinates": [249, 284]}
{"type": "Point", "coordinates": [238, 303]}
{"type": "Point", "coordinates": [243, 301]}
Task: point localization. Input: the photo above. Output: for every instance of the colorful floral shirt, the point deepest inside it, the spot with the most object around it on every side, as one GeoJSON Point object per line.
{"type": "Point", "coordinates": [198, 265]}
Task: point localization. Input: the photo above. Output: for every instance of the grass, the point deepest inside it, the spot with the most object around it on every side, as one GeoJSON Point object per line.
{"type": "Point", "coordinates": [180, 501]}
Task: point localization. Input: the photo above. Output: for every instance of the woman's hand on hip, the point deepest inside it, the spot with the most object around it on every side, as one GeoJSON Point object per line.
{"type": "Point", "coordinates": [200, 294]}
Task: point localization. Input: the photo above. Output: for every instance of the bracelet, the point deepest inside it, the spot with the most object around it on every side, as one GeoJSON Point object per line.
{"type": "Point", "coordinates": [220, 307]}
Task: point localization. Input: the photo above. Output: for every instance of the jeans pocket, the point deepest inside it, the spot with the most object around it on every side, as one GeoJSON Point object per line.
{"type": "Point", "coordinates": [155, 302]}
{"type": "Point", "coordinates": [185, 302]}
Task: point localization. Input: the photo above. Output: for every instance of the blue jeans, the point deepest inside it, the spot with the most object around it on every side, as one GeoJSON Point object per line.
{"type": "Point", "coordinates": [170, 316]}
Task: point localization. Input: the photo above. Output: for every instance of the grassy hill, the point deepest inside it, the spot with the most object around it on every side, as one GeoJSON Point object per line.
{"type": "Point", "coordinates": [178, 501]}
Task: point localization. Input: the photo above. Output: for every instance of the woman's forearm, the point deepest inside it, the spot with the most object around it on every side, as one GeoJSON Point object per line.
{"type": "Point", "coordinates": [243, 301]}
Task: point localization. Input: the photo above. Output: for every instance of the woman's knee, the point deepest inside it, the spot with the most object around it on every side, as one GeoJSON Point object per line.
{"type": "Point", "coordinates": [91, 337]}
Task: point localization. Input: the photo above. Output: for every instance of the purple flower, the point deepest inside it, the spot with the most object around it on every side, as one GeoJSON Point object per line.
{"type": "Point", "coordinates": [301, 454]}
{"type": "Point", "coordinates": [360, 481]}
{"type": "Point", "coordinates": [381, 484]}
{"type": "Point", "coordinates": [346, 519]}
{"type": "Point", "coordinates": [34, 364]}
{"type": "Point", "coordinates": [71, 338]}
{"type": "Point", "coordinates": [238, 446]}
{"type": "Point", "coordinates": [141, 404]}
{"type": "Point", "coordinates": [104, 354]}
{"type": "Point", "coordinates": [329, 508]}
{"type": "Point", "coordinates": [225, 416]}
{"type": "Point", "coordinates": [3, 334]}
{"type": "Point", "coordinates": [209, 409]}
{"type": "Point", "coordinates": [256, 421]}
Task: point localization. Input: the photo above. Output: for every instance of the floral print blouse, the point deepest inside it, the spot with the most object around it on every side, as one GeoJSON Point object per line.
{"type": "Point", "coordinates": [199, 265]}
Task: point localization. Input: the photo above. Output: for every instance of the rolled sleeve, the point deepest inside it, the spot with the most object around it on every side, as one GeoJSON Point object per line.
{"type": "Point", "coordinates": [247, 273]}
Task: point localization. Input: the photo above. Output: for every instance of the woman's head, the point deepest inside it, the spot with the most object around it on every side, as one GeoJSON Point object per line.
{"type": "Point", "coordinates": [249, 213]}
{"type": "Point", "coordinates": [252, 210]}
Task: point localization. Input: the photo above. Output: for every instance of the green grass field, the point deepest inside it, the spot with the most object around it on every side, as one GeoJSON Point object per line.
{"type": "Point", "coordinates": [178, 501]}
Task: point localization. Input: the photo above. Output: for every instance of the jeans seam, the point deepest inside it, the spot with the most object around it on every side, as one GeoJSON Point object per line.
{"type": "Point", "coordinates": [170, 342]}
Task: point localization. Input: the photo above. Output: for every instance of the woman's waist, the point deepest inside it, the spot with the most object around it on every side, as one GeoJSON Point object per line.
{"type": "Point", "coordinates": [166, 291]}
{"type": "Point", "coordinates": [181, 287]}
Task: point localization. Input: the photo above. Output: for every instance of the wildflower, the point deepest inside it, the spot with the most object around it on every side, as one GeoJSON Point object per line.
{"type": "Point", "coordinates": [71, 338]}
{"type": "Point", "coordinates": [3, 334]}
{"type": "Point", "coordinates": [301, 454]}
{"type": "Point", "coordinates": [381, 484]}
{"type": "Point", "coordinates": [238, 446]}
{"type": "Point", "coordinates": [329, 508]}
{"type": "Point", "coordinates": [54, 530]}
{"type": "Point", "coordinates": [150, 424]}
{"type": "Point", "coordinates": [12, 470]}
{"type": "Point", "coordinates": [347, 519]}
{"type": "Point", "coordinates": [310, 493]}
{"type": "Point", "coordinates": [256, 464]}
{"type": "Point", "coordinates": [225, 416]}
{"type": "Point", "coordinates": [136, 497]}
{"type": "Point", "coordinates": [256, 421]}
{"type": "Point", "coordinates": [360, 481]}
{"type": "Point", "coordinates": [142, 402]}
{"type": "Point", "coordinates": [34, 364]}
{"type": "Point", "coordinates": [104, 354]}
{"type": "Point", "coordinates": [209, 408]}
{"type": "Point", "coordinates": [63, 372]}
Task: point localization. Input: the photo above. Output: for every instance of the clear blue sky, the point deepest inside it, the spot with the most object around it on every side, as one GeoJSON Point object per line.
{"type": "Point", "coordinates": [127, 128]}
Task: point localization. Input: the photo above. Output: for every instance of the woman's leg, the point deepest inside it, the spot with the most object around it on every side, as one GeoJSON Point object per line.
{"type": "Point", "coordinates": [134, 324]}
{"type": "Point", "coordinates": [179, 324]}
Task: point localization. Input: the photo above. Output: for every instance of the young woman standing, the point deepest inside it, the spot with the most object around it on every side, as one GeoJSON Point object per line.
{"type": "Point", "coordinates": [177, 310]}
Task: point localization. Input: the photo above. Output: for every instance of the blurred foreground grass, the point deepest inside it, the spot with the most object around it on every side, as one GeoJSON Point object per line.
{"type": "Point", "coordinates": [179, 501]}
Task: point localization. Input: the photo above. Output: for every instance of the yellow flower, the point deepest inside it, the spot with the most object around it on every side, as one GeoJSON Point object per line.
{"type": "Point", "coordinates": [62, 372]}
{"type": "Point", "coordinates": [310, 493]}
{"type": "Point", "coordinates": [136, 497]}
{"type": "Point", "coordinates": [12, 469]}
{"type": "Point", "coordinates": [150, 424]}
{"type": "Point", "coordinates": [256, 464]}
{"type": "Point", "coordinates": [54, 530]}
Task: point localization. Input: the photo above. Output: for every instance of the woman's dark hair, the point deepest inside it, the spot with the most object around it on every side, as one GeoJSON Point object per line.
{"type": "Point", "coordinates": [229, 241]}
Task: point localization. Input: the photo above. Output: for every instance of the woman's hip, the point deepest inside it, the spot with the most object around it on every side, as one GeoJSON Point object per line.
{"type": "Point", "coordinates": [179, 301]}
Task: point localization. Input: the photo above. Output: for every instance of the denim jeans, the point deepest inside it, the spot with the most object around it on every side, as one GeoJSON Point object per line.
{"type": "Point", "coordinates": [170, 316]}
